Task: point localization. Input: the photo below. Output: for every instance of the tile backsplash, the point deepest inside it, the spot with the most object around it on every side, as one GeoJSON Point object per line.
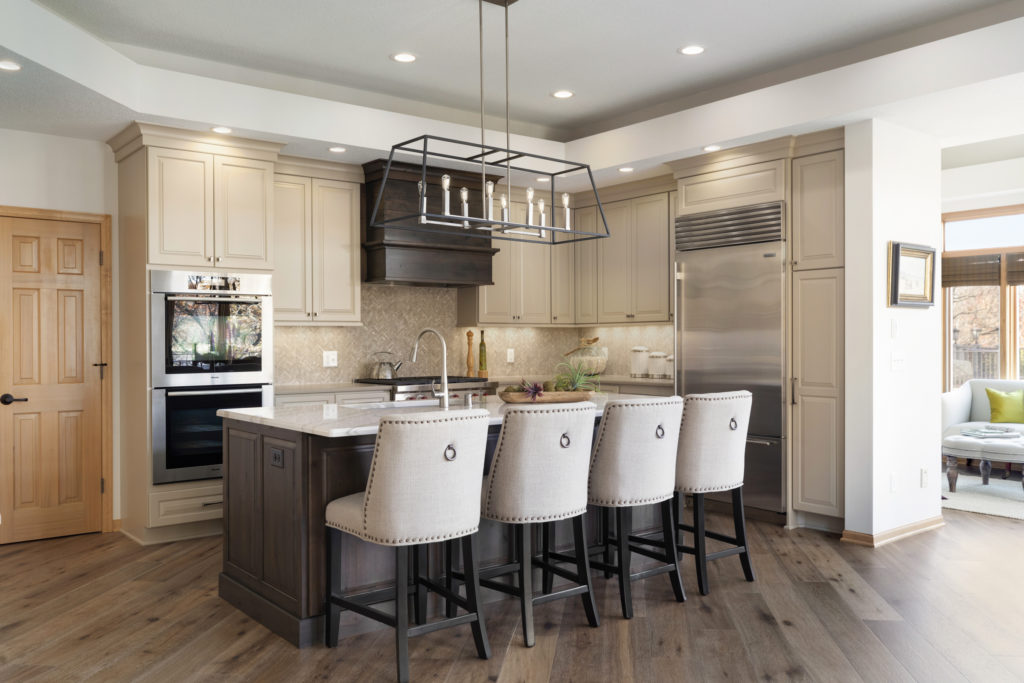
{"type": "Point", "coordinates": [394, 315]}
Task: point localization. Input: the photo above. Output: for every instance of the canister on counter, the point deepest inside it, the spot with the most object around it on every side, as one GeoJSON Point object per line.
{"type": "Point", "coordinates": [656, 365]}
{"type": "Point", "coordinates": [638, 361]}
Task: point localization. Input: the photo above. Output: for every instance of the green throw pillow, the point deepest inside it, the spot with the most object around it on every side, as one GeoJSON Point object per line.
{"type": "Point", "coordinates": [1007, 406]}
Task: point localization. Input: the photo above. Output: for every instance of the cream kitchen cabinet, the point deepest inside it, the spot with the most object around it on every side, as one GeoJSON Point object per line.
{"type": "Point", "coordinates": [563, 289]}
{"type": "Point", "coordinates": [733, 187]}
{"type": "Point", "coordinates": [634, 262]}
{"type": "Point", "coordinates": [521, 293]}
{"type": "Point", "coordinates": [817, 391]}
{"type": "Point", "coordinates": [818, 189]}
{"type": "Point", "coordinates": [585, 275]}
{"type": "Point", "coordinates": [209, 210]}
{"type": "Point", "coordinates": [316, 233]}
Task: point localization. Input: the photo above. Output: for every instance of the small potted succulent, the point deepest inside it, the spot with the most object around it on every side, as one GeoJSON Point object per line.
{"type": "Point", "coordinates": [573, 383]}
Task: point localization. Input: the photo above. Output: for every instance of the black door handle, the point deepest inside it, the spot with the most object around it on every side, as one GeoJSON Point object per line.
{"type": "Point", "coordinates": [7, 399]}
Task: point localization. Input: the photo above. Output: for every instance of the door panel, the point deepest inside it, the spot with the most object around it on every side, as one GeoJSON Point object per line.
{"type": "Point", "coordinates": [335, 251]}
{"type": "Point", "coordinates": [243, 212]}
{"type": "Point", "coordinates": [615, 254]}
{"type": "Point", "coordinates": [652, 260]}
{"type": "Point", "coordinates": [180, 207]}
{"type": "Point", "coordinates": [50, 444]}
{"type": "Point", "coordinates": [586, 267]}
{"type": "Point", "coordinates": [293, 226]}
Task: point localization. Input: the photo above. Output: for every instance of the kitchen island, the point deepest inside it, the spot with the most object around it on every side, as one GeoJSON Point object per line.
{"type": "Point", "coordinates": [282, 465]}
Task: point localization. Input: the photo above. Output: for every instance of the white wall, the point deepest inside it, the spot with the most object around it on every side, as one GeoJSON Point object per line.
{"type": "Point", "coordinates": [67, 174]}
{"type": "Point", "coordinates": [893, 370]}
{"type": "Point", "coordinates": [983, 186]}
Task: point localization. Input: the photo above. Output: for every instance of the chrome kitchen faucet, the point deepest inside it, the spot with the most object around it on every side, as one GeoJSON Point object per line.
{"type": "Point", "coordinates": [443, 394]}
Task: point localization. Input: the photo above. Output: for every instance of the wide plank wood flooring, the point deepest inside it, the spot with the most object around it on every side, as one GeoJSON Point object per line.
{"type": "Point", "coordinates": [941, 606]}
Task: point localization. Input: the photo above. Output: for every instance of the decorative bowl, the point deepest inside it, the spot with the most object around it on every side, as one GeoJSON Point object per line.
{"type": "Point", "coordinates": [546, 397]}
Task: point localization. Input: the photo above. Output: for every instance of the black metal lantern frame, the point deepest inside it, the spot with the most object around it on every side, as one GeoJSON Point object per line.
{"type": "Point", "coordinates": [437, 152]}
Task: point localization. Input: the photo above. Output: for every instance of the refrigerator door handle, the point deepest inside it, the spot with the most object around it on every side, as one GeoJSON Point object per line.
{"type": "Point", "coordinates": [792, 390]}
{"type": "Point", "coordinates": [760, 442]}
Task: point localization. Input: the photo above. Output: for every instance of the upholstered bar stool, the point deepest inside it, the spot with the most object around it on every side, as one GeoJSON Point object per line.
{"type": "Point", "coordinates": [712, 443]}
{"type": "Point", "coordinates": [539, 474]}
{"type": "Point", "coordinates": [424, 487]}
{"type": "Point", "coordinates": [634, 464]}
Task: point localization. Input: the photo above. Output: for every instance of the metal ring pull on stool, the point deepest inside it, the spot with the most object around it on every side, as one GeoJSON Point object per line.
{"type": "Point", "coordinates": [449, 453]}
{"type": "Point", "coordinates": [732, 424]}
{"type": "Point", "coordinates": [659, 432]}
{"type": "Point", "coordinates": [565, 441]}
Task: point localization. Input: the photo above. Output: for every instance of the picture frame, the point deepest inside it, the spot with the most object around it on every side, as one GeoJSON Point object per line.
{"type": "Point", "coordinates": [911, 275]}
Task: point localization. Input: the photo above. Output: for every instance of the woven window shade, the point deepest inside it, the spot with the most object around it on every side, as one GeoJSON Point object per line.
{"type": "Point", "coordinates": [971, 271]}
{"type": "Point", "coordinates": [1015, 268]}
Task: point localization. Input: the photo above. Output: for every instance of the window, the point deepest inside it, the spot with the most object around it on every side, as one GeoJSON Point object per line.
{"type": "Point", "coordinates": [983, 295]}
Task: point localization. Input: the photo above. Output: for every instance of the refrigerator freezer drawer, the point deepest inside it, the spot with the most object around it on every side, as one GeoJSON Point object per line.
{"type": "Point", "coordinates": [764, 477]}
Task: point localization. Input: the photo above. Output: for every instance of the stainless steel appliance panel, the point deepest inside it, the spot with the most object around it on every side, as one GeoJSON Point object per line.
{"type": "Point", "coordinates": [764, 477]}
{"type": "Point", "coordinates": [729, 327]}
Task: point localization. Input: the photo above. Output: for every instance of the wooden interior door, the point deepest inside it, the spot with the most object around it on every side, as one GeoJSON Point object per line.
{"type": "Point", "coordinates": [50, 325]}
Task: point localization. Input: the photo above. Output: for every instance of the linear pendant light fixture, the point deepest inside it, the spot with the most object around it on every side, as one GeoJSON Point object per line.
{"type": "Point", "coordinates": [549, 223]}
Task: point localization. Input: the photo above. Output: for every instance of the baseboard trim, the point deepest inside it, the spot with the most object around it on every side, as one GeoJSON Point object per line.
{"type": "Point", "coordinates": [876, 540]}
{"type": "Point", "coordinates": [116, 525]}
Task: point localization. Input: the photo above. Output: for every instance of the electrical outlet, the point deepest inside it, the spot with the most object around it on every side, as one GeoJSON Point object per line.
{"type": "Point", "coordinates": [330, 359]}
{"type": "Point", "coordinates": [924, 478]}
{"type": "Point", "coordinates": [510, 355]}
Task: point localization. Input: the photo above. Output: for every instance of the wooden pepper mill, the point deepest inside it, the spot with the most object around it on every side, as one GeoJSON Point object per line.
{"type": "Point", "coordinates": [469, 354]}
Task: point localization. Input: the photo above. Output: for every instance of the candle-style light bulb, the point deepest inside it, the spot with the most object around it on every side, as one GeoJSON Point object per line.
{"type": "Point", "coordinates": [504, 208]}
{"type": "Point", "coordinates": [529, 206]}
{"type": "Point", "coordinates": [464, 194]}
{"type": "Point", "coordinates": [504, 201]}
{"type": "Point", "coordinates": [446, 182]}
{"type": "Point", "coordinates": [529, 194]}
{"type": "Point", "coordinates": [489, 190]}
{"type": "Point", "coordinates": [565, 204]}
{"type": "Point", "coordinates": [423, 201]}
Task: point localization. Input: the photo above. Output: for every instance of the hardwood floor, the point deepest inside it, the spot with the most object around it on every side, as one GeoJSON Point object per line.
{"type": "Point", "coordinates": [940, 606]}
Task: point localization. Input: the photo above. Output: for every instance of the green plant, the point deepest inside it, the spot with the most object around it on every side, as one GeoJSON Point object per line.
{"type": "Point", "coordinates": [574, 377]}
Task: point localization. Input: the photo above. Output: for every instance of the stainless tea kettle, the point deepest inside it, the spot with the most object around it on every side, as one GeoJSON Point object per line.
{"type": "Point", "coordinates": [382, 368]}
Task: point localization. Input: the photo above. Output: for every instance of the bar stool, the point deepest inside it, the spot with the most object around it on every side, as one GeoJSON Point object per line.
{"type": "Point", "coordinates": [424, 487]}
{"type": "Point", "coordinates": [634, 464]}
{"type": "Point", "coordinates": [712, 443]}
{"type": "Point", "coordinates": [539, 474]}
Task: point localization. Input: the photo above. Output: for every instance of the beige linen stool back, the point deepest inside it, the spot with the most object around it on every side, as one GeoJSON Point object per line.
{"type": "Point", "coordinates": [712, 444]}
{"type": "Point", "coordinates": [539, 474]}
{"type": "Point", "coordinates": [423, 487]}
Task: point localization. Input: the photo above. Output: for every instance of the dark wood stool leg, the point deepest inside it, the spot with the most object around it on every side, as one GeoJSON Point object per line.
{"type": "Point", "coordinates": [739, 522]}
{"type": "Point", "coordinates": [668, 529]}
{"type": "Point", "coordinates": [402, 612]}
{"type": "Point", "coordinates": [606, 526]}
{"type": "Point", "coordinates": [677, 508]}
{"type": "Point", "coordinates": [548, 532]}
{"type": "Point", "coordinates": [469, 563]}
{"type": "Point", "coordinates": [699, 543]}
{"type": "Point", "coordinates": [450, 551]}
{"type": "Point", "coordinates": [623, 527]}
{"type": "Point", "coordinates": [579, 532]}
{"type": "Point", "coordinates": [526, 581]}
{"type": "Point", "coordinates": [333, 585]}
{"type": "Point", "coordinates": [419, 565]}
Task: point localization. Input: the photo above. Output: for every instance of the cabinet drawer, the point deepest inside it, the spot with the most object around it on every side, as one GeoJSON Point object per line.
{"type": "Point", "coordinates": [350, 397]}
{"type": "Point", "coordinates": [752, 184]}
{"type": "Point", "coordinates": [180, 506]}
{"type": "Point", "coordinates": [303, 399]}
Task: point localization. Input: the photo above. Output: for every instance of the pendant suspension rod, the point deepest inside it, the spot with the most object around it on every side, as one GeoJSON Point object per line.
{"type": "Point", "coordinates": [508, 135]}
{"type": "Point", "coordinates": [483, 166]}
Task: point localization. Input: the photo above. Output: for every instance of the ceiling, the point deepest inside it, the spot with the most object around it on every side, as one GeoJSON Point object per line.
{"type": "Point", "coordinates": [620, 58]}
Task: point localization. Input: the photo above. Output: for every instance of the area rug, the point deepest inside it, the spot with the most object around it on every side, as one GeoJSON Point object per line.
{"type": "Point", "coordinates": [1003, 498]}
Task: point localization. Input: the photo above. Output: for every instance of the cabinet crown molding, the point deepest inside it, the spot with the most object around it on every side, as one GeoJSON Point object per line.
{"type": "Point", "coordinates": [787, 147]}
{"type": "Point", "coordinates": [317, 168]}
{"type": "Point", "coordinates": [139, 134]}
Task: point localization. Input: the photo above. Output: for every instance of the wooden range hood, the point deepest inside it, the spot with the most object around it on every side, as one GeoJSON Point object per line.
{"type": "Point", "coordinates": [408, 257]}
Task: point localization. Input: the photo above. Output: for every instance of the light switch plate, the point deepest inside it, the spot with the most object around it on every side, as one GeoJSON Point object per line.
{"type": "Point", "coordinates": [510, 356]}
{"type": "Point", "coordinates": [330, 359]}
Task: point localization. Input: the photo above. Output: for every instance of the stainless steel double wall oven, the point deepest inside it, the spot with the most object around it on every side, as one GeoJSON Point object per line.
{"type": "Point", "coordinates": [212, 343]}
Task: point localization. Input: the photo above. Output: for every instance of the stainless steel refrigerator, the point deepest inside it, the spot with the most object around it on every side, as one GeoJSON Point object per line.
{"type": "Point", "coordinates": [730, 283]}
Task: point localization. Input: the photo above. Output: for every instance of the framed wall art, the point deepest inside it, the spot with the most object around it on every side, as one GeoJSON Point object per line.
{"type": "Point", "coordinates": [911, 274]}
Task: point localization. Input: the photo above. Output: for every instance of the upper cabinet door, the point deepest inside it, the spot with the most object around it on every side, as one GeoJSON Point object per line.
{"type": "Point", "coordinates": [497, 303]}
{"type": "Point", "coordinates": [818, 211]}
{"type": "Point", "coordinates": [180, 207]}
{"type": "Point", "coordinates": [243, 212]}
{"type": "Point", "coordinates": [652, 259]}
{"type": "Point", "coordinates": [534, 283]}
{"type": "Point", "coordinates": [335, 253]}
{"type": "Point", "coordinates": [586, 267]}
{"type": "Point", "coordinates": [293, 224]}
{"type": "Point", "coordinates": [563, 300]}
{"type": "Point", "coordinates": [754, 184]}
{"type": "Point", "coordinates": [615, 258]}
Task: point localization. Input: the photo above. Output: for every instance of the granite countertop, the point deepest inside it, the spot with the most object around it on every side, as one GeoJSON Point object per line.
{"type": "Point", "coordinates": [356, 420]}
{"type": "Point", "coordinates": [603, 379]}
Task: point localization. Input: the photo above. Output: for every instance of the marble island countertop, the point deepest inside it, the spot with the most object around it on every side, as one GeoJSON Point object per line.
{"type": "Point", "coordinates": [334, 421]}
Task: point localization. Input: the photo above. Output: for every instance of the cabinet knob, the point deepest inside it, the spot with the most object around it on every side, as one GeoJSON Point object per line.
{"type": "Point", "coordinates": [314, 314]}
{"type": "Point", "coordinates": [210, 259]}
{"type": "Point", "coordinates": [218, 259]}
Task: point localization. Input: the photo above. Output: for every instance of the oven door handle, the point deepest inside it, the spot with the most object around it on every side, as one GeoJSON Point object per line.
{"type": "Point", "coordinates": [218, 299]}
{"type": "Point", "coordinates": [215, 392]}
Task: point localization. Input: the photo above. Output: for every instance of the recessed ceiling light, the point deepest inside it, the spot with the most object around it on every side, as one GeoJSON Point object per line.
{"type": "Point", "coordinates": [691, 50]}
{"type": "Point", "coordinates": [563, 94]}
{"type": "Point", "coordinates": [404, 57]}
{"type": "Point", "coordinates": [336, 150]}
{"type": "Point", "coordinates": [626, 169]}
{"type": "Point", "coordinates": [712, 148]}
{"type": "Point", "coordinates": [543, 179]}
{"type": "Point", "coordinates": [223, 130]}
{"type": "Point", "coordinates": [8, 65]}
